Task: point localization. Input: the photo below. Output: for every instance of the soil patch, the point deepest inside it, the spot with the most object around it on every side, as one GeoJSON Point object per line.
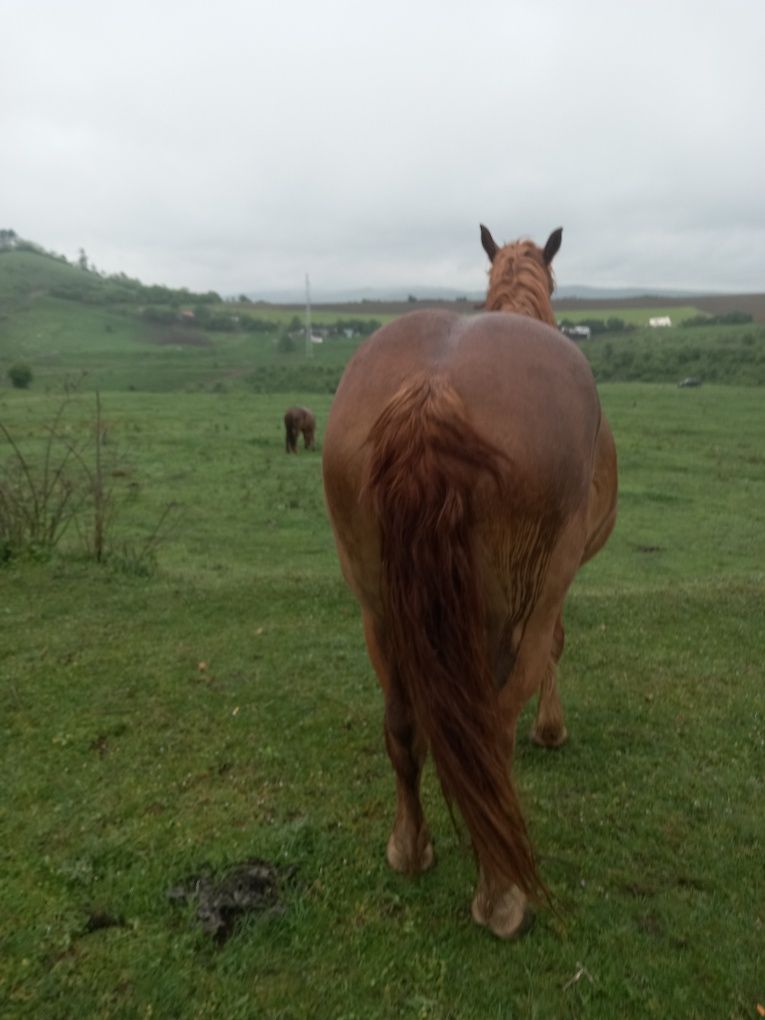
{"type": "Point", "coordinates": [221, 900]}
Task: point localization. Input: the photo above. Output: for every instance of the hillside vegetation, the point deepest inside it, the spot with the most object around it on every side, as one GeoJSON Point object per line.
{"type": "Point", "coordinates": [71, 323]}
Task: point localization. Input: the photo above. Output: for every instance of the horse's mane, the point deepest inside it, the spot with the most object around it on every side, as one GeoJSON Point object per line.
{"type": "Point", "coordinates": [520, 281]}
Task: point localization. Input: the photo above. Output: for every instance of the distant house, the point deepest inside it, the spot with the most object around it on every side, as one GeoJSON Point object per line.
{"type": "Point", "coordinates": [659, 320]}
{"type": "Point", "coordinates": [576, 332]}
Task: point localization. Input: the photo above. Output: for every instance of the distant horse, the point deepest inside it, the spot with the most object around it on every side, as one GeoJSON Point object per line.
{"type": "Point", "coordinates": [461, 462]}
{"type": "Point", "coordinates": [297, 420]}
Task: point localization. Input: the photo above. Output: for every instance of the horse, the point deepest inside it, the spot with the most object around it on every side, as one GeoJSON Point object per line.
{"type": "Point", "coordinates": [460, 465]}
{"type": "Point", "coordinates": [297, 420]}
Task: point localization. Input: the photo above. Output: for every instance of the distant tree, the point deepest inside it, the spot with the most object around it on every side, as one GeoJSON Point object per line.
{"type": "Point", "coordinates": [20, 376]}
{"type": "Point", "coordinates": [726, 319]}
{"type": "Point", "coordinates": [82, 260]}
{"type": "Point", "coordinates": [596, 325]}
{"type": "Point", "coordinates": [411, 299]}
{"type": "Point", "coordinates": [734, 318]}
{"type": "Point", "coordinates": [159, 313]}
{"type": "Point", "coordinates": [7, 239]}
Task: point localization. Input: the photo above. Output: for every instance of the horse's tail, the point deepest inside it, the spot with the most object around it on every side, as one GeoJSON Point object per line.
{"type": "Point", "coordinates": [426, 459]}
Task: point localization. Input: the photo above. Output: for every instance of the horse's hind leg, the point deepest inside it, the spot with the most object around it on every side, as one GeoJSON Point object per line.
{"type": "Point", "coordinates": [549, 729]}
{"type": "Point", "coordinates": [409, 847]}
{"type": "Point", "coordinates": [504, 908]}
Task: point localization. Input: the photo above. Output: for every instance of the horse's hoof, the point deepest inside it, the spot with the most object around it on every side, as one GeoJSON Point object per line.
{"type": "Point", "coordinates": [551, 739]}
{"type": "Point", "coordinates": [510, 917]}
{"type": "Point", "coordinates": [409, 864]}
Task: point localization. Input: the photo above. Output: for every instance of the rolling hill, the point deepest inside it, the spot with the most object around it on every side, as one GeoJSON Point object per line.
{"type": "Point", "coordinates": [115, 333]}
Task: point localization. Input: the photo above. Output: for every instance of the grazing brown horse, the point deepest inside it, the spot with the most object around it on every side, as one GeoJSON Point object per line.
{"type": "Point", "coordinates": [297, 420]}
{"type": "Point", "coordinates": [460, 460]}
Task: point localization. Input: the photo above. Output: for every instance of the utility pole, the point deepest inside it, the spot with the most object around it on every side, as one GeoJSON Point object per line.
{"type": "Point", "coordinates": [308, 341]}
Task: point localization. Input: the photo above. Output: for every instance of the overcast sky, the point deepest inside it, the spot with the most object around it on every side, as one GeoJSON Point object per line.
{"type": "Point", "coordinates": [239, 144]}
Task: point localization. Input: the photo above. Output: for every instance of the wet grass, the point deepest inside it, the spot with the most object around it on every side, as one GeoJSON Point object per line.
{"type": "Point", "coordinates": [222, 708]}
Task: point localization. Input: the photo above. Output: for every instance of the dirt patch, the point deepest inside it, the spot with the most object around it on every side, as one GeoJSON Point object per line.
{"type": "Point", "coordinates": [99, 919]}
{"type": "Point", "coordinates": [250, 887]}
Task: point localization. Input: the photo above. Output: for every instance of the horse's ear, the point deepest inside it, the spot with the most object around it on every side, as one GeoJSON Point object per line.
{"type": "Point", "coordinates": [552, 246]}
{"type": "Point", "coordinates": [489, 245]}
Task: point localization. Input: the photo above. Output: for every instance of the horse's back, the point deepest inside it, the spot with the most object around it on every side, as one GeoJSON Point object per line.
{"type": "Point", "coordinates": [526, 389]}
{"type": "Point", "coordinates": [299, 417]}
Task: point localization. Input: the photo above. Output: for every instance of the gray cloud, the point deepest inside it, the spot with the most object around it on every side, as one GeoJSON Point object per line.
{"type": "Point", "coordinates": [239, 145]}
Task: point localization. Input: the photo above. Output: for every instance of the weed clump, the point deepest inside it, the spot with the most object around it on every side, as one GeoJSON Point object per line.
{"type": "Point", "coordinates": [66, 484]}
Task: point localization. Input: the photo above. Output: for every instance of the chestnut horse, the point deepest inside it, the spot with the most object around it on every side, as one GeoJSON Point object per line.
{"type": "Point", "coordinates": [297, 420]}
{"type": "Point", "coordinates": [460, 464]}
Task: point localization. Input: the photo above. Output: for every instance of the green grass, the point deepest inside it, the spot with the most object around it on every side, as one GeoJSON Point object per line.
{"type": "Point", "coordinates": [25, 275]}
{"type": "Point", "coordinates": [113, 351]}
{"type": "Point", "coordinates": [127, 764]}
{"type": "Point", "coordinates": [632, 316]}
{"type": "Point", "coordinates": [711, 354]}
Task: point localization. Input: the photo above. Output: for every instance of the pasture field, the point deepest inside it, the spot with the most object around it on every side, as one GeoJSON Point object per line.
{"type": "Point", "coordinates": [710, 354]}
{"type": "Point", "coordinates": [109, 350]}
{"type": "Point", "coordinates": [632, 316]}
{"type": "Point", "coordinates": [66, 343]}
{"type": "Point", "coordinates": [219, 706]}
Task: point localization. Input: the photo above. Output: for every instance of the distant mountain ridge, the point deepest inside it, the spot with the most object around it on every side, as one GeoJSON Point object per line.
{"type": "Point", "coordinates": [294, 295]}
{"type": "Point", "coordinates": [27, 269]}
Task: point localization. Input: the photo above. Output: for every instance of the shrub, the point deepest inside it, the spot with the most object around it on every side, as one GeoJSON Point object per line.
{"type": "Point", "coordinates": [38, 501]}
{"type": "Point", "coordinates": [157, 313]}
{"type": "Point", "coordinates": [66, 483]}
{"type": "Point", "coordinates": [726, 319]}
{"type": "Point", "coordinates": [20, 375]}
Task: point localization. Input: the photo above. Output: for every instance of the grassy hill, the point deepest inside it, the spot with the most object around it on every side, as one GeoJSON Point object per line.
{"type": "Point", "coordinates": [26, 275]}
{"type": "Point", "coordinates": [115, 334]}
